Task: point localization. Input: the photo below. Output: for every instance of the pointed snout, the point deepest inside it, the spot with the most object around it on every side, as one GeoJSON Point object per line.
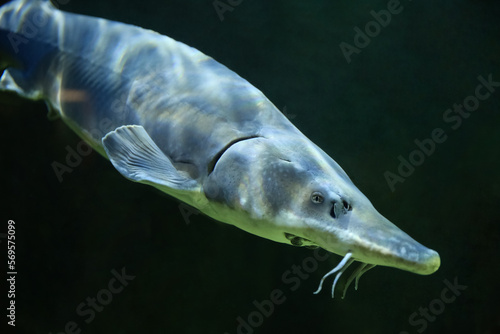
{"type": "Point", "coordinates": [374, 239]}
{"type": "Point", "coordinates": [429, 263]}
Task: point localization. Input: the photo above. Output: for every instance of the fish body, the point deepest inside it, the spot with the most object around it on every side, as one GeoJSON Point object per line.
{"type": "Point", "coordinates": [167, 115]}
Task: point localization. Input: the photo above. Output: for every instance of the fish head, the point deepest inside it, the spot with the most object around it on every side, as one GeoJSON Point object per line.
{"type": "Point", "coordinates": [288, 190]}
{"type": "Point", "coordinates": [326, 209]}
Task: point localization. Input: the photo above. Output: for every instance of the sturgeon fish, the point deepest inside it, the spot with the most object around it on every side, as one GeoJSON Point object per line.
{"type": "Point", "coordinates": [169, 116]}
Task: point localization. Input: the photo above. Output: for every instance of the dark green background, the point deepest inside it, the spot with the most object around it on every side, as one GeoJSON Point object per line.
{"type": "Point", "coordinates": [199, 277]}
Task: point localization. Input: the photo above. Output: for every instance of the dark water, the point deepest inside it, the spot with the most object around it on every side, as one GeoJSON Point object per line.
{"type": "Point", "coordinates": [202, 276]}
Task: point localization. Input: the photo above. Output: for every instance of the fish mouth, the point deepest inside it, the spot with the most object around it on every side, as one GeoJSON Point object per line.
{"type": "Point", "coordinates": [423, 262]}
{"type": "Point", "coordinates": [431, 265]}
{"type": "Point", "coordinates": [364, 235]}
{"type": "Point", "coordinates": [373, 239]}
{"type": "Point", "coordinates": [402, 253]}
{"type": "Point", "coordinates": [387, 245]}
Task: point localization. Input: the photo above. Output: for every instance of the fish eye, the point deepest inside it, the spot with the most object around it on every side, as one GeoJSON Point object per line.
{"type": "Point", "coordinates": [317, 197]}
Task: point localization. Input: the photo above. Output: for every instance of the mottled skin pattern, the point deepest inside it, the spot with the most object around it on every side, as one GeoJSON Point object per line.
{"type": "Point", "coordinates": [247, 165]}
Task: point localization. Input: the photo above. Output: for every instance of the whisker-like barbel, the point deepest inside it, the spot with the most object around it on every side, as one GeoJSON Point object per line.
{"type": "Point", "coordinates": [356, 274]}
{"type": "Point", "coordinates": [341, 267]}
{"type": "Point", "coordinates": [171, 117]}
{"type": "Point", "coordinates": [365, 269]}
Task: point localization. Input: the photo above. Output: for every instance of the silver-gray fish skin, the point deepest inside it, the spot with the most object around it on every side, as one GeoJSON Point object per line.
{"type": "Point", "coordinates": [232, 154]}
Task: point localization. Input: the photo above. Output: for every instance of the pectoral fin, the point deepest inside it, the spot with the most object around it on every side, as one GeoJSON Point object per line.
{"type": "Point", "coordinates": [136, 156]}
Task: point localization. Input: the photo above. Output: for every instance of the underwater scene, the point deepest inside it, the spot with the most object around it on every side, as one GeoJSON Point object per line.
{"type": "Point", "coordinates": [363, 140]}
